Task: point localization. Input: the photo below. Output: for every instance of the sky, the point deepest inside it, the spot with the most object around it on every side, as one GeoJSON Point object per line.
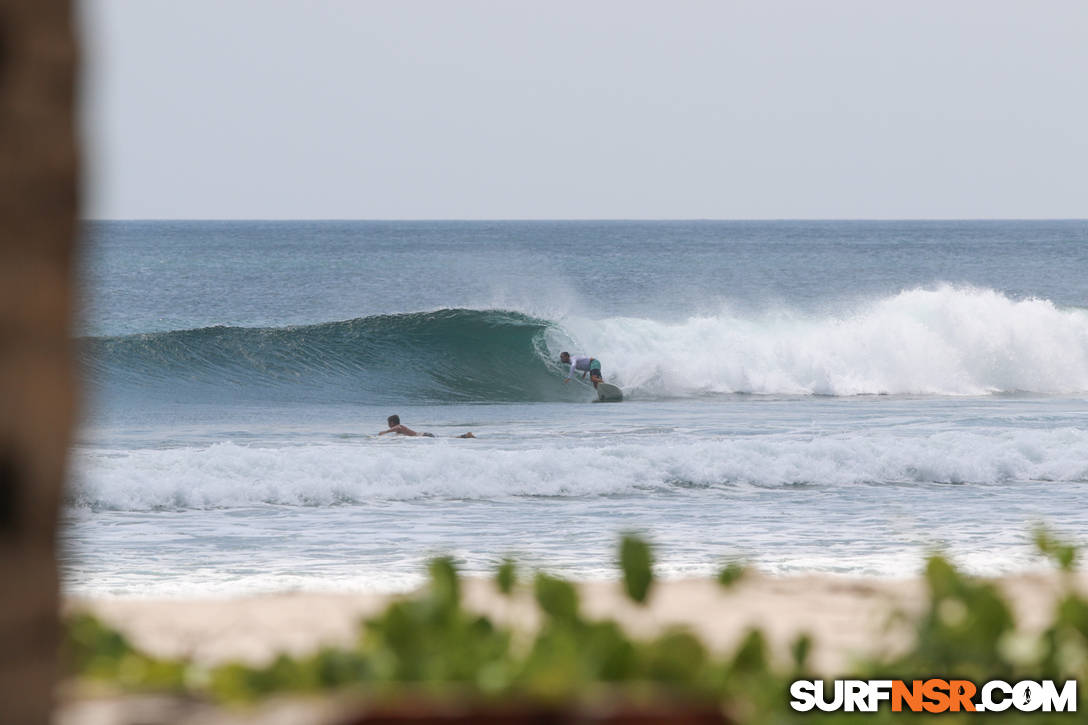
{"type": "Point", "coordinates": [500, 109]}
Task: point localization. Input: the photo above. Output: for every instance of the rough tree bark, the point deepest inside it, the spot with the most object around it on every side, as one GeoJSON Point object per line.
{"type": "Point", "coordinates": [38, 208]}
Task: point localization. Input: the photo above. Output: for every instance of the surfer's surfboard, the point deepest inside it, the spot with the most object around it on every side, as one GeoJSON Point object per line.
{"type": "Point", "coordinates": [608, 393]}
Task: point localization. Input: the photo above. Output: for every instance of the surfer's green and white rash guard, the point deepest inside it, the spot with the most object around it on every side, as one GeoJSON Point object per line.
{"type": "Point", "coordinates": [580, 362]}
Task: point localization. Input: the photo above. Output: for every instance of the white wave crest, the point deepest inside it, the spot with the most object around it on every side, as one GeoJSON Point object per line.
{"type": "Point", "coordinates": [227, 475]}
{"type": "Point", "coordinates": [944, 341]}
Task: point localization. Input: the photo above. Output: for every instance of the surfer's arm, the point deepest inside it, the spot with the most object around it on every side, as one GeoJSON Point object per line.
{"type": "Point", "coordinates": [401, 429]}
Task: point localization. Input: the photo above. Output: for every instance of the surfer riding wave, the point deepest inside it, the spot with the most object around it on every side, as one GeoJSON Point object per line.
{"type": "Point", "coordinates": [586, 364]}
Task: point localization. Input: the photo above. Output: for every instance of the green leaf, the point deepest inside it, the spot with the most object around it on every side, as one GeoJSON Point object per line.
{"type": "Point", "coordinates": [556, 597]}
{"type": "Point", "coordinates": [636, 560]}
{"type": "Point", "coordinates": [506, 576]}
{"type": "Point", "coordinates": [1061, 553]}
{"type": "Point", "coordinates": [731, 574]}
{"type": "Point", "coordinates": [801, 649]}
{"type": "Point", "coordinates": [445, 586]}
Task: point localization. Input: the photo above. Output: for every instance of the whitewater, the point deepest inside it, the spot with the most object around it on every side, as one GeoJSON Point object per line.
{"type": "Point", "coordinates": [808, 396]}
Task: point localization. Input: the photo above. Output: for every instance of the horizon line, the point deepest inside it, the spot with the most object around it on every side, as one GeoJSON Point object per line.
{"type": "Point", "coordinates": [581, 219]}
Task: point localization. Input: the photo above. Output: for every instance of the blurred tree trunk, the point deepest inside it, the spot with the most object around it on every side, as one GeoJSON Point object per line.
{"type": "Point", "coordinates": [38, 207]}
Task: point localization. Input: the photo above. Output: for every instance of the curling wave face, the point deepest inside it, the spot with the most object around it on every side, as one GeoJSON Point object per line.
{"type": "Point", "coordinates": [943, 341]}
{"type": "Point", "coordinates": [442, 356]}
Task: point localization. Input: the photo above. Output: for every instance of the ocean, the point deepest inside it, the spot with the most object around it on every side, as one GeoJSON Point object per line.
{"type": "Point", "coordinates": [807, 397]}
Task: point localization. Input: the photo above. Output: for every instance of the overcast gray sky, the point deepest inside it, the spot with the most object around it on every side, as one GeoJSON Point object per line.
{"type": "Point", "coordinates": [542, 110]}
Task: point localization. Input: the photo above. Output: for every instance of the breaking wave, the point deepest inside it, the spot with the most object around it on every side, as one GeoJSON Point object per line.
{"type": "Point", "coordinates": [943, 341]}
{"type": "Point", "coordinates": [228, 475]}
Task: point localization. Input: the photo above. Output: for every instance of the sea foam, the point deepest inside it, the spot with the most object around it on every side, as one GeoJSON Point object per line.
{"type": "Point", "coordinates": [227, 475]}
{"type": "Point", "coordinates": [943, 341]}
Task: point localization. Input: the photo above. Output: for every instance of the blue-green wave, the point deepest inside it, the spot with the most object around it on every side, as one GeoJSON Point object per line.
{"type": "Point", "coordinates": [451, 355]}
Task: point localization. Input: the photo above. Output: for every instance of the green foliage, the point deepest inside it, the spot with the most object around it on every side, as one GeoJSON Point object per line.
{"type": "Point", "coordinates": [101, 653]}
{"type": "Point", "coordinates": [963, 626]}
{"type": "Point", "coordinates": [800, 650]}
{"type": "Point", "coordinates": [556, 598]}
{"type": "Point", "coordinates": [731, 574]}
{"type": "Point", "coordinates": [1061, 553]}
{"type": "Point", "coordinates": [506, 577]}
{"type": "Point", "coordinates": [677, 658]}
{"type": "Point", "coordinates": [636, 562]}
{"type": "Point", "coordinates": [429, 643]}
{"type": "Point", "coordinates": [431, 639]}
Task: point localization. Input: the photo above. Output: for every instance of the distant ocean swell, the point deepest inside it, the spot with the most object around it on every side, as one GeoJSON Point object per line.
{"type": "Point", "coordinates": [942, 341]}
{"type": "Point", "coordinates": [228, 475]}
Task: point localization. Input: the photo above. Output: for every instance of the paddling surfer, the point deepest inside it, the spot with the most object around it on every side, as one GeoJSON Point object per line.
{"type": "Point", "coordinates": [395, 426]}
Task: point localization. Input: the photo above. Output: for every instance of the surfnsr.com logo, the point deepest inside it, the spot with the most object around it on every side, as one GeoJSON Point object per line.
{"type": "Point", "coordinates": [934, 696]}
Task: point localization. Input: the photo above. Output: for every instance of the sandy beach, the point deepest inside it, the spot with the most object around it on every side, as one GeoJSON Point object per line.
{"type": "Point", "coordinates": [847, 617]}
